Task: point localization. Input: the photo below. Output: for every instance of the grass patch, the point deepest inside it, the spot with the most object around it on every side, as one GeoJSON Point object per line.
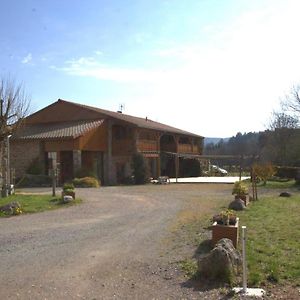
{"type": "Point", "coordinates": [189, 236]}
{"type": "Point", "coordinates": [279, 184]}
{"type": "Point", "coordinates": [273, 234]}
{"type": "Point", "coordinates": [189, 267]}
{"type": "Point", "coordinates": [36, 203]}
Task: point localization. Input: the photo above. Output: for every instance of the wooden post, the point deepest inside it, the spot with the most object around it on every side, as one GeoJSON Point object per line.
{"type": "Point", "coordinates": [158, 171]}
{"type": "Point", "coordinates": [254, 184]}
{"type": "Point", "coordinates": [176, 166]}
{"type": "Point", "coordinates": [241, 161]}
{"type": "Point", "coordinates": [255, 187]}
{"type": "Point", "coordinates": [53, 175]}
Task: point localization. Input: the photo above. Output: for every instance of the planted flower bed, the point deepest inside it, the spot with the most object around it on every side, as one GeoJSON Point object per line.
{"type": "Point", "coordinates": [225, 225]}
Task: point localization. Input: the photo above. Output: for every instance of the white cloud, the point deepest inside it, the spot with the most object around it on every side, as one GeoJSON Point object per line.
{"type": "Point", "coordinates": [27, 59]}
{"type": "Point", "coordinates": [90, 67]}
{"type": "Point", "coordinates": [98, 52]}
{"type": "Point", "coordinates": [231, 82]}
{"type": "Point", "coordinates": [235, 80]}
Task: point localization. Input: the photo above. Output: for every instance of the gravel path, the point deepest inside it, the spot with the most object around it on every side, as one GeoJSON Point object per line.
{"type": "Point", "coordinates": [109, 247]}
{"type": "Point", "coordinates": [118, 244]}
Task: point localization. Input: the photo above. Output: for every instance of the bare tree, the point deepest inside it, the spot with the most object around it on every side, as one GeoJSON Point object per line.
{"type": "Point", "coordinates": [14, 107]}
{"type": "Point", "coordinates": [283, 120]}
{"type": "Point", "coordinates": [291, 102]}
{"type": "Point", "coordinates": [282, 132]}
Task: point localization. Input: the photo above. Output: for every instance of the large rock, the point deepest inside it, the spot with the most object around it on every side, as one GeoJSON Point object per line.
{"type": "Point", "coordinates": [9, 207]}
{"type": "Point", "coordinates": [222, 263]}
{"type": "Point", "coordinates": [237, 204]}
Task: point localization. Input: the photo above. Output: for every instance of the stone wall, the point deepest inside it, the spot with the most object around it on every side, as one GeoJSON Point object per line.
{"type": "Point", "coordinates": [22, 153]}
{"type": "Point", "coordinates": [114, 164]}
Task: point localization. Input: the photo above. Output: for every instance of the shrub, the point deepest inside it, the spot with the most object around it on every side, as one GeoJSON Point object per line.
{"type": "Point", "coordinates": [86, 182]}
{"type": "Point", "coordinates": [239, 188]}
{"type": "Point", "coordinates": [68, 191]}
{"type": "Point", "coordinates": [68, 186]}
{"type": "Point", "coordinates": [225, 217]}
{"type": "Point", "coordinates": [140, 169]}
{"type": "Point", "coordinates": [85, 172]}
{"type": "Point", "coordinates": [29, 180]}
{"type": "Point", "coordinates": [287, 172]}
{"type": "Point", "coordinates": [36, 167]}
{"type": "Point", "coordinates": [264, 171]}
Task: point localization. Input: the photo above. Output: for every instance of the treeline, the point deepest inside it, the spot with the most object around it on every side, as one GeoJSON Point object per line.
{"type": "Point", "coordinates": [280, 146]}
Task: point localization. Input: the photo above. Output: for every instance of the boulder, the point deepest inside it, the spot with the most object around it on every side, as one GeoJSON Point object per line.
{"type": "Point", "coordinates": [222, 263]}
{"type": "Point", "coordinates": [237, 204]}
{"type": "Point", "coordinates": [285, 194]}
{"type": "Point", "coordinates": [9, 207]}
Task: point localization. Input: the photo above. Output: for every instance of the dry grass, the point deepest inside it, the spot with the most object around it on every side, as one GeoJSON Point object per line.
{"type": "Point", "coordinates": [201, 208]}
{"type": "Point", "coordinates": [189, 235]}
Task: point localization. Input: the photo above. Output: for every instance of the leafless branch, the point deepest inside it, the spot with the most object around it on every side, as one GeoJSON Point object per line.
{"type": "Point", "coordinates": [15, 105]}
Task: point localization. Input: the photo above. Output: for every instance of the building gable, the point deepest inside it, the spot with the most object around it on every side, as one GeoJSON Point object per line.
{"type": "Point", "coordinates": [63, 111]}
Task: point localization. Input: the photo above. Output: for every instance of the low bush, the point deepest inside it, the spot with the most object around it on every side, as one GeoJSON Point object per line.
{"type": "Point", "coordinates": [264, 171]}
{"type": "Point", "coordinates": [86, 182]}
{"type": "Point", "coordinates": [36, 167]}
{"type": "Point", "coordinates": [68, 191]}
{"type": "Point", "coordinates": [239, 188]}
{"type": "Point", "coordinates": [29, 180]}
{"type": "Point", "coordinates": [140, 169]}
{"type": "Point", "coordinates": [287, 172]}
{"type": "Point", "coordinates": [85, 172]}
{"type": "Point", "coordinates": [68, 186]}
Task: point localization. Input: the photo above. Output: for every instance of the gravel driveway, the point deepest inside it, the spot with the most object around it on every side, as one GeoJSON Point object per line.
{"type": "Point", "coordinates": [108, 247]}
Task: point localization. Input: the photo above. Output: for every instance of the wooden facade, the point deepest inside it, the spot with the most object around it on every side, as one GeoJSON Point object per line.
{"type": "Point", "coordinates": [102, 142]}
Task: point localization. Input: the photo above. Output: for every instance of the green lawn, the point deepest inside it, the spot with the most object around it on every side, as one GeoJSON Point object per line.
{"type": "Point", "coordinates": [273, 234]}
{"type": "Point", "coordinates": [36, 203]}
{"type": "Point", "coordinates": [273, 240]}
{"type": "Point", "coordinates": [277, 184]}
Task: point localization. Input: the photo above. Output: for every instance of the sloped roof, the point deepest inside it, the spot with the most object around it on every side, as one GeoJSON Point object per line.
{"type": "Point", "coordinates": [67, 130]}
{"type": "Point", "coordinates": [139, 122]}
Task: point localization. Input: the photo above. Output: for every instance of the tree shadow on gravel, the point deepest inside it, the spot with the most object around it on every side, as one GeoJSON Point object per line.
{"type": "Point", "coordinates": [200, 284]}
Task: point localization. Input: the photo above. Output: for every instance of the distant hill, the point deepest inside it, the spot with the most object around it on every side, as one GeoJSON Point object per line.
{"type": "Point", "coordinates": [214, 140]}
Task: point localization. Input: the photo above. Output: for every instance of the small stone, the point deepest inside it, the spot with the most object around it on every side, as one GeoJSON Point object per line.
{"type": "Point", "coordinates": [67, 199]}
{"type": "Point", "coordinates": [9, 208]}
{"type": "Point", "coordinates": [285, 194]}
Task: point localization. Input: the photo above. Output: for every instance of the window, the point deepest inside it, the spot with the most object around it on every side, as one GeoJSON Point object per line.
{"type": "Point", "coordinates": [184, 140]}
{"type": "Point", "coordinates": [52, 159]}
{"type": "Point", "coordinates": [121, 132]}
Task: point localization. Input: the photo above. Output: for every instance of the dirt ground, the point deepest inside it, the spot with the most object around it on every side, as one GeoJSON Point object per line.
{"type": "Point", "coordinates": [120, 243]}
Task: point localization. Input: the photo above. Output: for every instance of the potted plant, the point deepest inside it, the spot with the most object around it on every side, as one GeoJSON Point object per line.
{"type": "Point", "coordinates": [225, 225]}
{"type": "Point", "coordinates": [240, 190]}
{"type": "Point", "coordinates": [68, 190]}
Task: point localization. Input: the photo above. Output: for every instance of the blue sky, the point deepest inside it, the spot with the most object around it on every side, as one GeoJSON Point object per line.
{"type": "Point", "coordinates": [213, 67]}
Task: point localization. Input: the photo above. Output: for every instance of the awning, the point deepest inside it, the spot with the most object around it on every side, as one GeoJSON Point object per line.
{"type": "Point", "coordinates": [62, 130]}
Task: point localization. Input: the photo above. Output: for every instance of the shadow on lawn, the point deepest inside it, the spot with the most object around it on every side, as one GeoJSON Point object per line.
{"type": "Point", "coordinates": [200, 284]}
